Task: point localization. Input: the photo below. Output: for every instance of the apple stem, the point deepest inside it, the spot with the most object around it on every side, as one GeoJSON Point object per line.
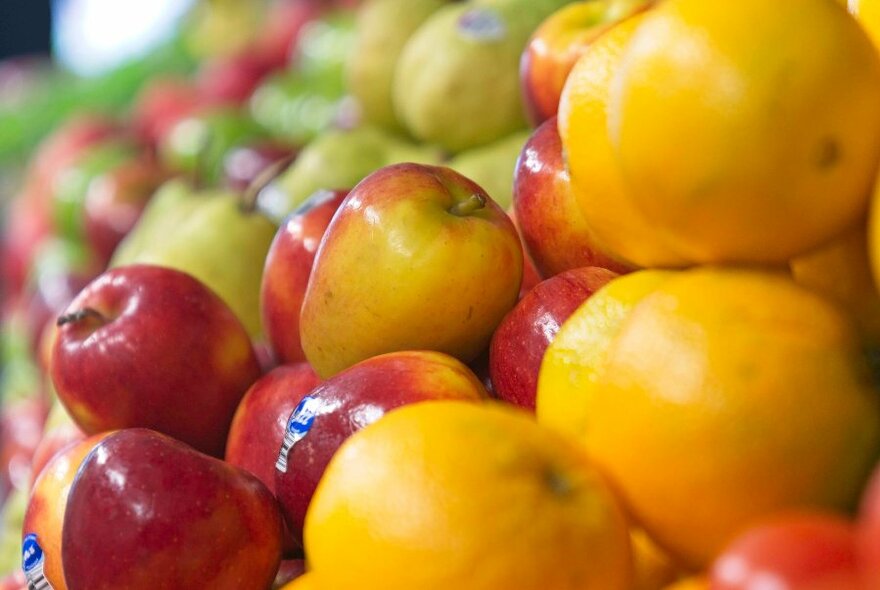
{"type": "Point", "coordinates": [80, 315]}
{"type": "Point", "coordinates": [475, 202]}
{"type": "Point", "coordinates": [262, 180]}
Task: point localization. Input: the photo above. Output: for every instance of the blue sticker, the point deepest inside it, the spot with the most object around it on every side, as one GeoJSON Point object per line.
{"type": "Point", "coordinates": [31, 553]}
{"type": "Point", "coordinates": [298, 425]}
{"type": "Point", "coordinates": [482, 24]}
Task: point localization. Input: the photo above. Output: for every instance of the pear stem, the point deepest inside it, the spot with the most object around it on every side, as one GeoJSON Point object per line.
{"type": "Point", "coordinates": [80, 315]}
{"type": "Point", "coordinates": [467, 206]}
{"type": "Point", "coordinates": [249, 198]}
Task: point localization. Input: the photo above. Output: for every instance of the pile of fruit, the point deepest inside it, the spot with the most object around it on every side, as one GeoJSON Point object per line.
{"type": "Point", "coordinates": [486, 295]}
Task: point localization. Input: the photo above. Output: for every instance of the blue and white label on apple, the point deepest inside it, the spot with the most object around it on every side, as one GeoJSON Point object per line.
{"type": "Point", "coordinates": [33, 561]}
{"type": "Point", "coordinates": [482, 24]}
{"type": "Point", "coordinates": [298, 425]}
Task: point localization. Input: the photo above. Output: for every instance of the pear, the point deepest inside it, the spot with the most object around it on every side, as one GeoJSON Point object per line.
{"type": "Point", "coordinates": [338, 160]}
{"type": "Point", "coordinates": [208, 235]}
{"type": "Point", "coordinates": [383, 28]}
{"type": "Point", "coordinates": [493, 166]}
{"type": "Point", "coordinates": [457, 83]}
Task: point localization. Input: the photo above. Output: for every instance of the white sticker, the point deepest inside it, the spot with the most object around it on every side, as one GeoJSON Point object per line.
{"type": "Point", "coordinates": [482, 24]}
{"type": "Point", "coordinates": [298, 425]}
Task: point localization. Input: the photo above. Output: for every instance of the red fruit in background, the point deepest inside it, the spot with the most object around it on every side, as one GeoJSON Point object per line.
{"type": "Point", "coordinates": [284, 23]}
{"type": "Point", "coordinates": [519, 343]}
{"type": "Point", "coordinates": [796, 552]}
{"type": "Point", "coordinates": [162, 103]}
{"type": "Point", "coordinates": [550, 221]}
{"type": "Point", "coordinates": [869, 532]}
{"type": "Point", "coordinates": [21, 428]}
{"type": "Point", "coordinates": [115, 200]}
{"type": "Point", "coordinates": [54, 440]}
{"type": "Point", "coordinates": [231, 80]}
{"type": "Point", "coordinates": [288, 267]}
{"type": "Point", "coordinates": [258, 427]}
{"type": "Point", "coordinates": [168, 517]}
{"type": "Point", "coordinates": [14, 581]}
{"type": "Point", "coordinates": [53, 292]}
{"type": "Point", "coordinates": [350, 401]}
{"type": "Point", "coordinates": [243, 165]}
{"type": "Point", "coordinates": [146, 346]}
{"type": "Point", "coordinates": [27, 227]}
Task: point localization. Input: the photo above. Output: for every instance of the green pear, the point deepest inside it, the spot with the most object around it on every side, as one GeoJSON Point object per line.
{"type": "Point", "coordinates": [383, 28]}
{"type": "Point", "coordinates": [457, 82]}
{"type": "Point", "coordinates": [493, 166]}
{"type": "Point", "coordinates": [339, 160]}
{"type": "Point", "coordinates": [209, 236]}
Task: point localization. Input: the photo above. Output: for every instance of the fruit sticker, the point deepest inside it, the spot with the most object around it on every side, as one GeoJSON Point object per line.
{"type": "Point", "coordinates": [32, 562]}
{"type": "Point", "coordinates": [482, 24]}
{"type": "Point", "coordinates": [298, 426]}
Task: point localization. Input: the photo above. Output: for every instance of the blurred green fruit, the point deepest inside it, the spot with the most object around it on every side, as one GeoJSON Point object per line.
{"type": "Point", "coordinates": [493, 166]}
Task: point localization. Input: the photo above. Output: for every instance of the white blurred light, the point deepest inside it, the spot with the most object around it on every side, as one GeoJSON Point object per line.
{"type": "Point", "coordinates": [94, 36]}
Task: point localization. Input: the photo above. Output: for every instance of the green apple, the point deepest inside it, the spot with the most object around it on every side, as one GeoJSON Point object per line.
{"type": "Point", "coordinates": [208, 235]}
{"type": "Point", "coordinates": [457, 80]}
{"type": "Point", "coordinates": [493, 166]}
{"type": "Point", "coordinates": [383, 28]}
{"type": "Point", "coordinates": [416, 258]}
{"type": "Point", "coordinates": [339, 160]}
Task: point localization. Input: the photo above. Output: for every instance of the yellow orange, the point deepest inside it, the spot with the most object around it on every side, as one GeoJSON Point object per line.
{"type": "Point", "coordinates": [444, 495]}
{"type": "Point", "coordinates": [748, 131]}
{"type": "Point", "coordinates": [595, 174]}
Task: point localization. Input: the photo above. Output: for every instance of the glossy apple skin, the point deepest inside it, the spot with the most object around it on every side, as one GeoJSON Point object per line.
{"type": "Point", "coordinates": [115, 200]}
{"type": "Point", "coordinates": [287, 271]}
{"type": "Point", "coordinates": [168, 517]}
{"type": "Point", "coordinates": [519, 343]}
{"type": "Point", "coordinates": [417, 258]}
{"type": "Point", "coordinates": [553, 228]}
{"type": "Point", "coordinates": [165, 353]}
{"type": "Point", "coordinates": [258, 427]}
{"type": "Point", "coordinates": [869, 532]}
{"type": "Point", "coordinates": [357, 397]}
{"type": "Point", "coordinates": [45, 511]}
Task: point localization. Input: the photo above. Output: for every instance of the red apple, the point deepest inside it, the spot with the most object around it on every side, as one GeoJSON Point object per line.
{"type": "Point", "coordinates": [146, 346]}
{"type": "Point", "coordinates": [557, 45]}
{"type": "Point", "coordinates": [146, 511]}
{"type": "Point", "coordinates": [258, 427]}
{"type": "Point", "coordinates": [230, 80]}
{"type": "Point", "coordinates": [350, 401]}
{"type": "Point", "coordinates": [519, 343]}
{"type": "Point", "coordinates": [284, 23]}
{"type": "Point", "coordinates": [550, 221]}
{"type": "Point", "coordinates": [115, 200]}
{"type": "Point", "coordinates": [287, 271]}
{"type": "Point", "coordinates": [161, 104]}
{"type": "Point", "coordinates": [869, 532]}
{"type": "Point", "coordinates": [59, 434]}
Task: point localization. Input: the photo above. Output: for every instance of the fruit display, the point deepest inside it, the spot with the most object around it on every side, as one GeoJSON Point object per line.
{"type": "Point", "coordinates": [423, 294]}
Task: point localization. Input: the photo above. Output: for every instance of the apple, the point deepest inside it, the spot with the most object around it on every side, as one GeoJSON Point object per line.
{"type": "Point", "coordinates": [558, 43]}
{"type": "Point", "coordinates": [147, 346]}
{"type": "Point", "coordinates": [59, 433]}
{"type": "Point", "coordinates": [167, 516]}
{"type": "Point", "coordinates": [553, 228]}
{"type": "Point", "coordinates": [245, 164]}
{"type": "Point", "coordinates": [416, 258]}
{"type": "Point", "coordinates": [350, 401]}
{"type": "Point", "coordinates": [869, 532]}
{"type": "Point", "coordinates": [287, 271]}
{"type": "Point", "coordinates": [230, 80]}
{"type": "Point", "coordinates": [160, 105]}
{"type": "Point", "coordinates": [26, 227]}
{"type": "Point", "coordinates": [44, 517]}
{"type": "Point", "coordinates": [115, 199]}
{"type": "Point", "coordinates": [519, 343]}
{"type": "Point", "coordinates": [207, 234]}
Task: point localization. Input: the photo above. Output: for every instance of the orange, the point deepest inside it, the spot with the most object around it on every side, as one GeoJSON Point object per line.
{"type": "Point", "coordinates": [726, 395]}
{"type": "Point", "coordinates": [444, 495]}
{"type": "Point", "coordinates": [841, 271]}
{"type": "Point", "coordinates": [595, 175]}
{"type": "Point", "coordinates": [748, 131]}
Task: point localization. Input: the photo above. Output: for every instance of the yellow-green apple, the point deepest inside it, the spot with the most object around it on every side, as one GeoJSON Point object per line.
{"type": "Point", "coordinates": [59, 432]}
{"type": "Point", "coordinates": [447, 65]}
{"type": "Point", "coordinates": [519, 343]}
{"type": "Point", "coordinates": [558, 43]}
{"type": "Point", "coordinates": [869, 532]}
{"type": "Point", "coordinates": [416, 258]}
{"type": "Point", "coordinates": [146, 511]}
{"type": "Point", "coordinates": [43, 520]}
{"type": "Point", "coordinates": [492, 166]}
{"type": "Point", "coordinates": [115, 199]}
{"type": "Point", "coordinates": [287, 271]}
{"type": "Point", "coordinates": [337, 160]}
{"type": "Point", "coordinates": [350, 401]}
{"type": "Point", "coordinates": [553, 228]}
{"type": "Point", "coordinates": [147, 346]}
{"type": "Point", "coordinates": [383, 28]}
{"type": "Point", "coordinates": [206, 234]}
